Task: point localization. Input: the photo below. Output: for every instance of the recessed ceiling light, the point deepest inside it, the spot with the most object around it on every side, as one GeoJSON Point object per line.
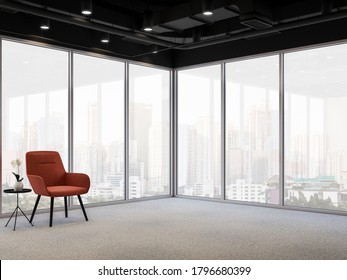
{"type": "Point", "coordinates": [207, 7]}
{"type": "Point", "coordinates": [154, 49]}
{"type": "Point", "coordinates": [147, 24]}
{"type": "Point", "coordinates": [45, 24]}
{"type": "Point", "coordinates": [148, 29]}
{"type": "Point", "coordinates": [86, 7]}
{"type": "Point", "coordinates": [86, 12]}
{"type": "Point", "coordinates": [208, 13]}
{"type": "Point", "coordinates": [105, 39]}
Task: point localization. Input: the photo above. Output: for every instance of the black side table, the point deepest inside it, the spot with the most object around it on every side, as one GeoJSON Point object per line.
{"type": "Point", "coordinates": [16, 209]}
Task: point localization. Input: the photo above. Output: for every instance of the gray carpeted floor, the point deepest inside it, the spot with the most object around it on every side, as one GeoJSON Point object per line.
{"type": "Point", "coordinates": [175, 228]}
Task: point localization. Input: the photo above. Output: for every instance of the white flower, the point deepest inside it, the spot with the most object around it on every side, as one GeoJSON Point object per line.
{"type": "Point", "coordinates": [16, 163]}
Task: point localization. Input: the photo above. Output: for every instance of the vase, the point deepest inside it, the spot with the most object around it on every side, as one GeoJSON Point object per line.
{"type": "Point", "coordinates": [18, 186]}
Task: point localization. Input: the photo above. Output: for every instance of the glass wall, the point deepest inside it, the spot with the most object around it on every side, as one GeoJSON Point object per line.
{"type": "Point", "coordinates": [149, 131]}
{"type": "Point", "coordinates": [199, 132]}
{"type": "Point", "coordinates": [252, 130]}
{"type": "Point", "coordinates": [34, 111]}
{"type": "Point", "coordinates": [315, 135]}
{"type": "Point", "coordinates": [35, 116]}
{"type": "Point", "coordinates": [98, 135]}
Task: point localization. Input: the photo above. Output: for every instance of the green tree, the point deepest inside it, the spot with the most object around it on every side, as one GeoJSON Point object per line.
{"type": "Point", "coordinates": [316, 202]}
{"type": "Point", "coordinates": [297, 201]}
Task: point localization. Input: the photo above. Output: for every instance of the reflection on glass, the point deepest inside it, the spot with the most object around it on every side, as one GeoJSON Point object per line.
{"type": "Point", "coordinates": [149, 131]}
{"type": "Point", "coordinates": [199, 132]}
{"type": "Point", "coordinates": [315, 134]}
{"type": "Point", "coordinates": [99, 126]}
{"type": "Point", "coordinates": [34, 111]}
{"type": "Point", "coordinates": [252, 130]}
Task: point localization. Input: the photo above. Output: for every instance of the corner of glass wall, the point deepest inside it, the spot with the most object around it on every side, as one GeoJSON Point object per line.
{"type": "Point", "coordinates": [35, 116]}
{"type": "Point", "coordinates": [199, 132]}
{"type": "Point", "coordinates": [252, 130]}
{"type": "Point", "coordinates": [149, 131]}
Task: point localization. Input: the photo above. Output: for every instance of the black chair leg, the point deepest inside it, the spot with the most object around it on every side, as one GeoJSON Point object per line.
{"type": "Point", "coordinates": [84, 211]}
{"type": "Point", "coordinates": [51, 212]}
{"type": "Point", "coordinates": [65, 204]}
{"type": "Point", "coordinates": [35, 207]}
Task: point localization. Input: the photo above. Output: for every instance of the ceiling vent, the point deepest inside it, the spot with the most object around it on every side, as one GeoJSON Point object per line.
{"type": "Point", "coordinates": [255, 21]}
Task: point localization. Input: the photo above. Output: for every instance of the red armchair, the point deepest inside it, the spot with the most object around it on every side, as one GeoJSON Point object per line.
{"type": "Point", "coordinates": [48, 177]}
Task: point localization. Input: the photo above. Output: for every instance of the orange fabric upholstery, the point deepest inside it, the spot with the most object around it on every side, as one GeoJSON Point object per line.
{"type": "Point", "coordinates": [47, 165]}
{"type": "Point", "coordinates": [56, 191]}
{"type": "Point", "coordinates": [38, 185]}
{"type": "Point", "coordinates": [47, 176]}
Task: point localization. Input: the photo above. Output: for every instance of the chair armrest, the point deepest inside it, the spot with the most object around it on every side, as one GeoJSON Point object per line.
{"type": "Point", "coordinates": [38, 184]}
{"type": "Point", "coordinates": [77, 179]}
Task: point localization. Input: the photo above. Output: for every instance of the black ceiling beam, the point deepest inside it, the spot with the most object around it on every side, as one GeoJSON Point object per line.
{"type": "Point", "coordinates": [293, 11]}
{"type": "Point", "coordinates": [184, 10]}
{"type": "Point", "coordinates": [251, 6]}
{"type": "Point", "coordinates": [171, 28]}
{"type": "Point", "coordinates": [258, 11]}
{"type": "Point", "coordinates": [201, 20]}
{"type": "Point", "coordinates": [269, 31]}
{"type": "Point", "coordinates": [26, 26]}
{"type": "Point", "coordinates": [304, 9]}
{"type": "Point", "coordinates": [103, 13]}
{"type": "Point", "coordinates": [310, 35]}
{"type": "Point", "coordinates": [83, 22]}
{"type": "Point", "coordinates": [230, 25]}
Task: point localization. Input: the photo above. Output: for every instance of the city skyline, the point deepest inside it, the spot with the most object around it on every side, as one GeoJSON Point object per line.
{"type": "Point", "coordinates": [314, 146]}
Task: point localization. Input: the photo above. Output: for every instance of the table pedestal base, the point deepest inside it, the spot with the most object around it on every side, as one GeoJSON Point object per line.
{"type": "Point", "coordinates": [15, 220]}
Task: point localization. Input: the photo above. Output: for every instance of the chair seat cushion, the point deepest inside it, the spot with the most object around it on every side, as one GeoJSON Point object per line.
{"type": "Point", "coordinates": [56, 191]}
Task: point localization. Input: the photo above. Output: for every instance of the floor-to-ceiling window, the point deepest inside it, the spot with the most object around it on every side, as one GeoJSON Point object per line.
{"type": "Point", "coordinates": [199, 131]}
{"type": "Point", "coordinates": [98, 126]}
{"type": "Point", "coordinates": [149, 131]}
{"type": "Point", "coordinates": [315, 134]}
{"type": "Point", "coordinates": [252, 130]}
{"type": "Point", "coordinates": [35, 116]}
{"type": "Point", "coordinates": [34, 110]}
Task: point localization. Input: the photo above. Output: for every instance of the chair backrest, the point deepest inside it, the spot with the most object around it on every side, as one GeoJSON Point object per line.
{"type": "Point", "coordinates": [46, 164]}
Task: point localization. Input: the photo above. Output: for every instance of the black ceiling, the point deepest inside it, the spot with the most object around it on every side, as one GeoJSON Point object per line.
{"type": "Point", "coordinates": [182, 34]}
